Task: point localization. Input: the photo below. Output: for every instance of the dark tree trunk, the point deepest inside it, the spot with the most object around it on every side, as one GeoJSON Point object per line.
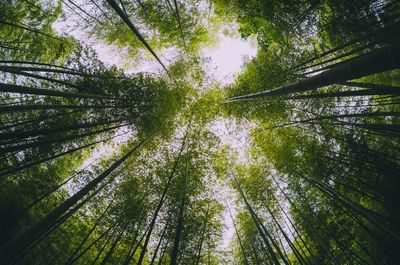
{"type": "Point", "coordinates": [378, 61]}
{"type": "Point", "coordinates": [46, 92]}
{"type": "Point", "coordinates": [161, 202]}
{"type": "Point", "coordinates": [23, 240]}
{"type": "Point", "coordinates": [135, 31]}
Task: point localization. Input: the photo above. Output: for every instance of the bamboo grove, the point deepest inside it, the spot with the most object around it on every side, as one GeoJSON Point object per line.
{"type": "Point", "coordinates": [101, 166]}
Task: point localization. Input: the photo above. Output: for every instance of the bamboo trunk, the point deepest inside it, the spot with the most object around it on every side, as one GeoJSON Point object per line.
{"type": "Point", "coordinates": [377, 61]}
{"type": "Point", "coordinates": [23, 240]}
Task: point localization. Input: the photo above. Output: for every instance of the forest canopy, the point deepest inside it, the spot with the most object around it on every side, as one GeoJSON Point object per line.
{"type": "Point", "coordinates": [120, 145]}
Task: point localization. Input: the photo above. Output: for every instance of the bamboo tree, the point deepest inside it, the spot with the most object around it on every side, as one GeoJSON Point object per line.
{"type": "Point", "coordinates": [370, 63]}
{"type": "Point", "coordinates": [86, 238]}
{"type": "Point", "coordinates": [39, 64]}
{"type": "Point", "coordinates": [355, 51]}
{"type": "Point", "coordinates": [38, 143]}
{"type": "Point", "coordinates": [135, 31]}
{"type": "Point", "coordinates": [299, 257]}
{"type": "Point", "coordinates": [13, 170]}
{"type": "Point", "coordinates": [133, 248]}
{"type": "Point", "coordinates": [60, 70]}
{"type": "Point", "coordinates": [202, 236]}
{"type": "Point", "coordinates": [39, 77]}
{"type": "Point", "coordinates": [318, 238]}
{"type": "Point", "coordinates": [84, 251]}
{"type": "Point", "coordinates": [160, 261]}
{"type": "Point", "coordinates": [365, 212]}
{"type": "Point", "coordinates": [47, 92]}
{"type": "Point", "coordinates": [99, 8]}
{"type": "Point", "coordinates": [83, 11]}
{"type": "Point", "coordinates": [12, 24]}
{"type": "Point", "coordinates": [153, 259]}
{"type": "Point", "coordinates": [113, 246]}
{"type": "Point", "coordinates": [161, 202]}
{"type": "Point", "coordinates": [366, 36]}
{"type": "Point", "coordinates": [238, 237]}
{"type": "Point", "coordinates": [57, 223]}
{"type": "Point", "coordinates": [33, 107]}
{"type": "Point", "coordinates": [179, 23]}
{"type": "Point", "coordinates": [179, 226]}
{"type": "Point", "coordinates": [104, 246]}
{"type": "Point", "coordinates": [41, 132]}
{"type": "Point", "coordinates": [22, 241]}
{"type": "Point", "coordinates": [263, 232]}
{"type": "Point", "coordinates": [351, 93]}
{"type": "Point", "coordinates": [51, 191]}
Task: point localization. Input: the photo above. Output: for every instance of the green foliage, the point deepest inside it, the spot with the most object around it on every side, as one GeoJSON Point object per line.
{"type": "Point", "coordinates": [34, 44]}
{"type": "Point", "coordinates": [102, 167]}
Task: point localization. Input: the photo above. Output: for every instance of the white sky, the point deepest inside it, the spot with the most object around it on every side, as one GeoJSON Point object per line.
{"type": "Point", "coordinates": [228, 56]}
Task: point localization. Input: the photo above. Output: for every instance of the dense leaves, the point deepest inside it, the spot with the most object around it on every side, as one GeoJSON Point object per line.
{"type": "Point", "coordinates": [98, 166]}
